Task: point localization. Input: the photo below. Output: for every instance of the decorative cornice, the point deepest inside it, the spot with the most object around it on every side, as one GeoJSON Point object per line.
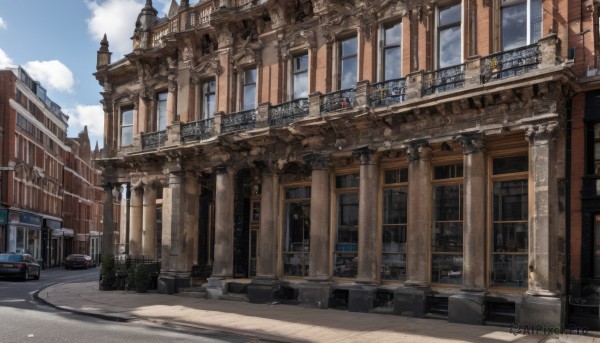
{"type": "Point", "coordinates": [542, 134]}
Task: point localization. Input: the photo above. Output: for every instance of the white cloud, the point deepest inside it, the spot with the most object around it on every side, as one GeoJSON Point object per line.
{"type": "Point", "coordinates": [116, 19]}
{"type": "Point", "coordinates": [51, 74]}
{"type": "Point", "coordinates": [91, 116]}
{"type": "Point", "coordinates": [3, 24]}
{"type": "Point", "coordinates": [4, 59]}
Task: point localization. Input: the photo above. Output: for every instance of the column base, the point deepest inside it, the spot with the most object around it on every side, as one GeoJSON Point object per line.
{"type": "Point", "coordinates": [548, 312]}
{"type": "Point", "coordinates": [361, 299]}
{"type": "Point", "coordinates": [314, 294]}
{"type": "Point", "coordinates": [170, 282]}
{"type": "Point", "coordinates": [263, 290]}
{"type": "Point", "coordinates": [215, 287]}
{"type": "Point", "coordinates": [467, 308]}
{"type": "Point", "coordinates": [411, 301]}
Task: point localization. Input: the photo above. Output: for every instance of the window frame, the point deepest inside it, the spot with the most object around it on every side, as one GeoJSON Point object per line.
{"type": "Point", "coordinates": [530, 37]}
{"type": "Point", "coordinates": [284, 251]}
{"type": "Point", "coordinates": [121, 126]}
{"type": "Point", "coordinates": [341, 58]}
{"type": "Point", "coordinates": [402, 185]}
{"type": "Point", "coordinates": [335, 219]}
{"type": "Point", "coordinates": [159, 102]}
{"type": "Point", "coordinates": [294, 73]}
{"type": "Point", "coordinates": [385, 47]}
{"type": "Point", "coordinates": [242, 89]}
{"type": "Point", "coordinates": [204, 98]}
{"type": "Point", "coordinates": [439, 28]}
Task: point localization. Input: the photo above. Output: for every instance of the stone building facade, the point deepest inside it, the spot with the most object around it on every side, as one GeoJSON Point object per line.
{"type": "Point", "coordinates": [373, 155]}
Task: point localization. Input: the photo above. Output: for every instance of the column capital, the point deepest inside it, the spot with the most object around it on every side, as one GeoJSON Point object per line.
{"type": "Point", "coordinates": [416, 150]}
{"type": "Point", "coordinates": [471, 142]}
{"type": "Point", "coordinates": [365, 154]}
{"type": "Point", "coordinates": [542, 134]}
{"type": "Point", "coordinates": [221, 169]}
{"type": "Point", "coordinates": [317, 161]}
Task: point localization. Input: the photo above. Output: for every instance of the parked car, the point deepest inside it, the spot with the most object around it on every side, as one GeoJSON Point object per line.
{"type": "Point", "coordinates": [23, 266]}
{"type": "Point", "coordinates": [79, 261]}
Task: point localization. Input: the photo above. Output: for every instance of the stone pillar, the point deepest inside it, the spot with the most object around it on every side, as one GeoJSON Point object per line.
{"type": "Point", "coordinates": [542, 304]}
{"type": "Point", "coordinates": [188, 244]}
{"type": "Point", "coordinates": [368, 233]}
{"type": "Point", "coordinates": [468, 307]}
{"type": "Point", "coordinates": [315, 293]}
{"type": "Point", "coordinates": [140, 120]}
{"type": "Point", "coordinates": [149, 221]}
{"type": "Point", "coordinates": [108, 221]}
{"type": "Point", "coordinates": [135, 221]}
{"type": "Point", "coordinates": [411, 300]}
{"type": "Point", "coordinates": [172, 99]}
{"type": "Point", "coordinates": [265, 286]}
{"type": "Point", "coordinates": [123, 224]}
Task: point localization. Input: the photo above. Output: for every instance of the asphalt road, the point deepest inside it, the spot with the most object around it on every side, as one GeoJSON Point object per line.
{"type": "Point", "coordinates": [23, 319]}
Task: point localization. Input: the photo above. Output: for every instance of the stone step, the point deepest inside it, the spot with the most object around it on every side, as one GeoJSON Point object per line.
{"type": "Point", "coordinates": [191, 294]}
{"type": "Point", "coordinates": [234, 297]}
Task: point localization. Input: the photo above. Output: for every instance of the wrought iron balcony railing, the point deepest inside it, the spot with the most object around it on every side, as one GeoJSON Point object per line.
{"type": "Point", "coordinates": [443, 80]}
{"type": "Point", "coordinates": [388, 92]}
{"type": "Point", "coordinates": [245, 120]}
{"type": "Point", "coordinates": [288, 112]}
{"type": "Point", "coordinates": [198, 130]}
{"type": "Point", "coordinates": [343, 99]}
{"type": "Point", "coordinates": [510, 63]}
{"type": "Point", "coordinates": [154, 140]}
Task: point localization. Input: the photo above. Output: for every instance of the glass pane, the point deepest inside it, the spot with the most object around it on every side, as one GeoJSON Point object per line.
{"type": "Point", "coordinates": [127, 117]}
{"type": "Point", "coordinates": [301, 85]}
{"type": "Point", "coordinates": [536, 20]}
{"type": "Point", "coordinates": [447, 237]}
{"type": "Point", "coordinates": [510, 237]}
{"type": "Point", "coordinates": [396, 176]}
{"type": "Point", "coordinates": [210, 106]}
{"type": "Point", "coordinates": [513, 164]}
{"type": "Point", "coordinates": [297, 193]}
{"type": "Point", "coordinates": [450, 45]}
{"type": "Point", "coordinates": [449, 171]}
{"type": "Point", "coordinates": [347, 181]}
{"type": "Point", "coordinates": [346, 265]}
{"type": "Point", "coordinates": [126, 135]}
{"type": "Point", "coordinates": [161, 115]}
{"type": "Point", "coordinates": [394, 238]}
{"type": "Point", "coordinates": [446, 269]}
{"type": "Point", "coordinates": [348, 215]}
{"type": "Point", "coordinates": [514, 26]}
{"type": "Point", "coordinates": [249, 76]}
{"type": "Point", "coordinates": [510, 201]}
{"type": "Point", "coordinates": [509, 270]}
{"type": "Point", "coordinates": [348, 73]}
{"type": "Point", "coordinates": [393, 35]}
{"type": "Point", "coordinates": [393, 266]}
{"type": "Point", "coordinates": [349, 47]}
{"type": "Point", "coordinates": [447, 203]}
{"type": "Point", "coordinates": [300, 63]}
{"type": "Point", "coordinates": [392, 63]}
{"type": "Point", "coordinates": [249, 97]}
{"type": "Point", "coordinates": [395, 206]}
{"type": "Point", "coordinates": [450, 15]}
{"type": "Point", "coordinates": [297, 227]}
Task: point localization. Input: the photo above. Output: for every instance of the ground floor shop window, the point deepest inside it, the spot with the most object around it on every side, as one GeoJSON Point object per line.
{"type": "Point", "coordinates": [296, 247]}
{"type": "Point", "coordinates": [395, 200]}
{"type": "Point", "coordinates": [509, 232]}
{"type": "Point", "coordinates": [346, 238]}
{"type": "Point", "coordinates": [447, 228]}
{"type": "Point", "coordinates": [27, 241]}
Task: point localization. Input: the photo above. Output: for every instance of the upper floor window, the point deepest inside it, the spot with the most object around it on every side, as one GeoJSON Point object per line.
{"type": "Point", "coordinates": [348, 63]}
{"type": "Point", "coordinates": [449, 35]}
{"type": "Point", "coordinates": [161, 111]}
{"type": "Point", "coordinates": [249, 89]}
{"type": "Point", "coordinates": [392, 57]}
{"type": "Point", "coordinates": [300, 76]}
{"type": "Point", "coordinates": [208, 99]}
{"type": "Point", "coordinates": [127, 127]}
{"type": "Point", "coordinates": [521, 22]}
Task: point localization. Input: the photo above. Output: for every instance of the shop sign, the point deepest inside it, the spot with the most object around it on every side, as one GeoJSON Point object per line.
{"type": "Point", "coordinates": [25, 218]}
{"type": "Point", "coordinates": [52, 224]}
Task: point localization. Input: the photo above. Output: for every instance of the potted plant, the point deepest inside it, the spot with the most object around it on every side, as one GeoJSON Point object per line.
{"type": "Point", "coordinates": [142, 278]}
{"type": "Point", "coordinates": [107, 273]}
{"type": "Point", "coordinates": [494, 65]}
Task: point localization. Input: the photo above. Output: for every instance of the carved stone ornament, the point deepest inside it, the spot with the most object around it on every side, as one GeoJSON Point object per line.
{"type": "Point", "coordinates": [416, 150]}
{"type": "Point", "coordinates": [365, 154]}
{"type": "Point", "coordinates": [248, 53]}
{"type": "Point", "coordinates": [471, 142]}
{"type": "Point", "coordinates": [541, 134]}
{"type": "Point", "coordinates": [208, 65]}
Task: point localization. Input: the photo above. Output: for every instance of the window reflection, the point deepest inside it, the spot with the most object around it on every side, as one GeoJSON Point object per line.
{"type": "Point", "coordinates": [348, 63]}
{"type": "Point", "coordinates": [449, 36]}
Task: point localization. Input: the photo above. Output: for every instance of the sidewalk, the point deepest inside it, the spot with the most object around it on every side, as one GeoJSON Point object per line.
{"type": "Point", "coordinates": [285, 323]}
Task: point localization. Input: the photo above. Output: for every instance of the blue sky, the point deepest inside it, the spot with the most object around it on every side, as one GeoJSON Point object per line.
{"type": "Point", "coordinates": [56, 42]}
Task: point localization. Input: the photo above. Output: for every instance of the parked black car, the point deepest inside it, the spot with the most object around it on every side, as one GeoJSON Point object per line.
{"type": "Point", "coordinates": [23, 266]}
{"type": "Point", "coordinates": [79, 261]}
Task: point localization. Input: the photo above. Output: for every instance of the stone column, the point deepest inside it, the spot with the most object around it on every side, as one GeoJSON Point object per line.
{"type": "Point", "coordinates": [411, 300]}
{"type": "Point", "coordinates": [140, 119]}
{"type": "Point", "coordinates": [543, 303]}
{"type": "Point", "coordinates": [316, 292]}
{"type": "Point", "coordinates": [123, 223]}
{"type": "Point", "coordinates": [188, 245]}
{"type": "Point", "coordinates": [172, 99]}
{"type": "Point", "coordinates": [474, 212]}
{"type": "Point", "coordinates": [265, 286]}
{"type": "Point", "coordinates": [149, 221]}
{"type": "Point", "coordinates": [468, 307]}
{"type": "Point", "coordinates": [135, 221]}
{"type": "Point", "coordinates": [108, 221]}
{"type": "Point", "coordinates": [223, 263]}
{"type": "Point", "coordinates": [368, 233]}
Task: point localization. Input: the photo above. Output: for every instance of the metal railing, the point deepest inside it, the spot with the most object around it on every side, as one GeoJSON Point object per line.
{"type": "Point", "coordinates": [245, 120]}
{"type": "Point", "coordinates": [443, 80]}
{"type": "Point", "coordinates": [288, 112]}
{"type": "Point", "coordinates": [510, 63]}
{"type": "Point", "coordinates": [198, 130]}
{"type": "Point", "coordinates": [342, 99]}
{"type": "Point", "coordinates": [387, 92]}
{"type": "Point", "coordinates": [154, 140]}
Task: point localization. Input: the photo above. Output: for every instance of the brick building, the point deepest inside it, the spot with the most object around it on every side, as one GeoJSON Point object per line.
{"type": "Point", "coordinates": [412, 157]}
{"type": "Point", "coordinates": [36, 159]}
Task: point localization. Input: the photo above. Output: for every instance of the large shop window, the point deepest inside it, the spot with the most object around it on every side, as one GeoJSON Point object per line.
{"type": "Point", "coordinates": [395, 200]}
{"type": "Point", "coordinates": [28, 241]}
{"type": "Point", "coordinates": [296, 241]}
{"type": "Point", "coordinates": [449, 38]}
{"type": "Point", "coordinates": [447, 231]}
{"type": "Point", "coordinates": [521, 22]}
{"type": "Point", "coordinates": [249, 89]}
{"type": "Point", "coordinates": [127, 127]}
{"type": "Point", "coordinates": [346, 238]}
{"type": "Point", "coordinates": [208, 99]}
{"type": "Point", "coordinates": [300, 76]}
{"type": "Point", "coordinates": [161, 111]}
{"type": "Point", "coordinates": [348, 63]}
{"type": "Point", "coordinates": [509, 236]}
{"type": "Point", "coordinates": [392, 53]}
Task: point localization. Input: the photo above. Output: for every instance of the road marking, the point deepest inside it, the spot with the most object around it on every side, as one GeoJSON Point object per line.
{"type": "Point", "coordinates": [12, 300]}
